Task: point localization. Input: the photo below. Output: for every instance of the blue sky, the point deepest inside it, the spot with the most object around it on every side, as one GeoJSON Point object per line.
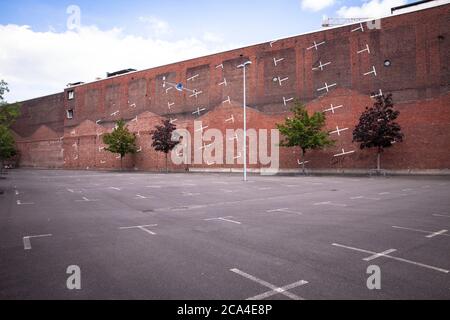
{"type": "Point", "coordinates": [43, 57]}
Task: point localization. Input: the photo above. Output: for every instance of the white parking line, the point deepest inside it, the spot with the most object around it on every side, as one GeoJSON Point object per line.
{"type": "Point", "coordinates": [117, 189]}
{"type": "Point", "coordinates": [154, 187]}
{"type": "Point", "coordinates": [143, 228]}
{"type": "Point", "coordinates": [441, 215]}
{"type": "Point", "coordinates": [285, 210]}
{"type": "Point", "coordinates": [364, 198]}
{"type": "Point", "coordinates": [20, 203]}
{"type": "Point", "coordinates": [378, 255]}
{"type": "Point", "coordinates": [226, 219]}
{"type": "Point", "coordinates": [274, 289]}
{"type": "Point", "coordinates": [431, 234]}
{"type": "Point", "coordinates": [27, 242]}
{"type": "Point", "coordinates": [329, 203]}
{"type": "Point", "coordinates": [393, 258]}
{"type": "Point", "coordinates": [86, 200]}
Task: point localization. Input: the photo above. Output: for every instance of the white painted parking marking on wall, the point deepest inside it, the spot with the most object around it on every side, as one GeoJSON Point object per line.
{"type": "Point", "coordinates": [431, 234]}
{"type": "Point", "coordinates": [27, 240]}
{"type": "Point", "coordinates": [274, 290]}
{"type": "Point", "coordinates": [143, 228]}
{"type": "Point", "coordinates": [378, 255]}
{"type": "Point", "coordinates": [226, 219]}
{"type": "Point", "coordinates": [393, 258]}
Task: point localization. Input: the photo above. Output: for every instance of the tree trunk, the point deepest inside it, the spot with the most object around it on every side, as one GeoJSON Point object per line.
{"type": "Point", "coordinates": [167, 166]}
{"type": "Point", "coordinates": [303, 161]}
{"type": "Point", "coordinates": [379, 161]}
{"type": "Point", "coordinates": [121, 167]}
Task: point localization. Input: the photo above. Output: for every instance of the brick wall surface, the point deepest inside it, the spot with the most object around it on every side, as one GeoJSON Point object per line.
{"type": "Point", "coordinates": [417, 45]}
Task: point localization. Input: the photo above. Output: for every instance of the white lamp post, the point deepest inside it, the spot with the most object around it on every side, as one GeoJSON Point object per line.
{"type": "Point", "coordinates": [244, 67]}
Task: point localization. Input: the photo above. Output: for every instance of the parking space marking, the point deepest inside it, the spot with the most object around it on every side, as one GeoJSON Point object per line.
{"type": "Point", "coordinates": [86, 200]}
{"type": "Point", "coordinates": [431, 234]}
{"type": "Point", "coordinates": [364, 198]}
{"type": "Point", "coordinates": [20, 203]}
{"type": "Point", "coordinates": [143, 228]}
{"type": "Point", "coordinates": [329, 203]}
{"type": "Point", "coordinates": [284, 210]}
{"type": "Point", "coordinates": [226, 219]}
{"type": "Point", "coordinates": [27, 240]}
{"type": "Point", "coordinates": [154, 187]}
{"type": "Point", "coordinates": [114, 188]}
{"type": "Point", "coordinates": [274, 290]}
{"type": "Point", "coordinates": [378, 255]}
{"type": "Point", "coordinates": [393, 258]}
{"type": "Point", "coordinates": [441, 215]}
{"type": "Point", "coordinates": [139, 196]}
{"type": "Point", "coordinates": [190, 194]}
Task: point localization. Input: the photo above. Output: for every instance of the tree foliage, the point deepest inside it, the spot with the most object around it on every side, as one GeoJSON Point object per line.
{"type": "Point", "coordinates": [304, 131]}
{"type": "Point", "coordinates": [8, 114]}
{"type": "Point", "coordinates": [120, 141]}
{"type": "Point", "coordinates": [377, 127]}
{"type": "Point", "coordinates": [162, 138]}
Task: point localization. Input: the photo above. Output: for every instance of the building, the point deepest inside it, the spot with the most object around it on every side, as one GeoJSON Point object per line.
{"type": "Point", "coordinates": [337, 70]}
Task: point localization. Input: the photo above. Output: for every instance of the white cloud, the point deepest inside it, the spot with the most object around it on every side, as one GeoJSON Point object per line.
{"type": "Point", "coordinates": [156, 25]}
{"type": "Point", "coordinates": [39, 63]}
{"type": "Point", "coordinates": [316, 5]}
{"type": "Point", "coordinates": [370, 9]}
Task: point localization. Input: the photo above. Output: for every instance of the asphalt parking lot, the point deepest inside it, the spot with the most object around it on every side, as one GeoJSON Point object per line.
{"type": "Point", "coordinates": [212, 236]}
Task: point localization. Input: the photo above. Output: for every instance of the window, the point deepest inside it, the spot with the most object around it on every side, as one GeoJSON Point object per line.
{"type": "Point", "coordinates": [71, 94]}
{"type": "Point", "coordinates": [69, 114]}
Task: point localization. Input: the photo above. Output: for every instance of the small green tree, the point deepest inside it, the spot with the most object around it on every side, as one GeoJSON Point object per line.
{"type": "Point", "coordinates": [8, 114]}
{"type": "Point", "coordinates": [304, 131]}
{"type": "Point", "coordinates": [377, 127]}
{"type": "Point", "coordinates": [163, 140]}
{"type": "Point", "coordinates": [120, 141]}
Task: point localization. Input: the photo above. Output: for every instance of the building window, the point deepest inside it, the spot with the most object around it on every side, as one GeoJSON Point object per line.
{"type": "Point", "coordinates": [71, 94]}
{"type": "Point", "coordinates": [70, 114]}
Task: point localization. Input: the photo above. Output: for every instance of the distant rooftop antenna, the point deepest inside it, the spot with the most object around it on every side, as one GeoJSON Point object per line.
{"type": "Point", "coordinates": [332, 22]}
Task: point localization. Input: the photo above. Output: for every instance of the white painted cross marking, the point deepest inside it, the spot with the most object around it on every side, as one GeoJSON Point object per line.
{"type": "Point", "coordinates": [193, 77]}
{"type": "Point", "coordinates": [226, 219]}
{"type": "Point", "coordinates": [333, 108]}
{"type": "Point", "coordinates": [321, 66]}
{"type": "Point", "coordinates": [196, 94]}
{"type": "Point", "coordinates": [272, 42]}
{"type": "Point", "coordinates": [374, 71]}
{"type": "Point", "coordinates": [344, 153]}
{"type": "Point", "coordinates": [143, 228]}
{"type": "Point", "coordinates": [168, 89]}
{"type": "Point", "coordinates": [170, 104]}
{"type": "Point", "coordinates": [327, 87]}
{"type": "Point", "coordinates": [224, 82]}
{"type": "Point", "coordinates": [199, 111]}
{"type": "Point", "coordinates": [301, 163]}
{"type": "Point", "coordinates": [380, 94]}
{"type": "Point", "coordinates": [378, 255]}
{"type": "Point", "coordinates": [281, 80]}
{"type": "Point", "coordinates": [361, 27]}
{"type": "Point", "coordinates": [364, 50]}
{"type": "Point", "coordinates": [285, 101]}
{"type": "Point", "coordinates": [338, 131]}
{"type": "Point", "coordinates": [275, 61]}
{"type": "Point", "coordinates": [201, 129]}
{"type": "Point", "coordinates": [227, 101]}
{"type": "Point", "coordinates": [274, 290]}
{"type": "Point", "coordinates": [219, 66]}
{"type": "Point", "coordinates": [27, 242]}
{"type": "Point", "coordinates": [316, 45]}
{"type": "Point", "coordinates": [100, 149]}
{"type": "Point", "coordinates": [231, 119]}
{"type": "Point", "coordinates": [393, 258]}
{"type": "Point", "coordinates": [431, 234]}
{"type": "Point", "coordinates": [133, 105]}
{"type": "Point", "coordinates": [115, 113]}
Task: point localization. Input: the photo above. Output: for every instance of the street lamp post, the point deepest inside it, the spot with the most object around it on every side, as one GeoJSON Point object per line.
{"type": "Point", "coordinates": [244, 67]}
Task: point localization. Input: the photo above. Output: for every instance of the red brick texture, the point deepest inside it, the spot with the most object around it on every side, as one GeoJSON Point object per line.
{"type": "Point", "coordinates": [417, 45]}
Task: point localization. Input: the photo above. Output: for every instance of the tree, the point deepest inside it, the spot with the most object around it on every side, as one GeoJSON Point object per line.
{"type": "Point", "coordinates": [304, 131]}
{"type": "Point", "coordinates": [162, 139]}
{"type": "Point", "coordinates": [8, 114]}
{"type": "Point", "coordinates": [377, 127]}
{"type": "Point", "coordinates": [120, 141]}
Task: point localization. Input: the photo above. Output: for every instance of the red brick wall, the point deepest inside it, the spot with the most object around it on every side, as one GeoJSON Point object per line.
{"type": "Point", "coordinates": [417, 44]}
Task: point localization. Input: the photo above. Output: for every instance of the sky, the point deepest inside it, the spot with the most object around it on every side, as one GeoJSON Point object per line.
{"type": "Point", "coordinates": [47, 44]}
